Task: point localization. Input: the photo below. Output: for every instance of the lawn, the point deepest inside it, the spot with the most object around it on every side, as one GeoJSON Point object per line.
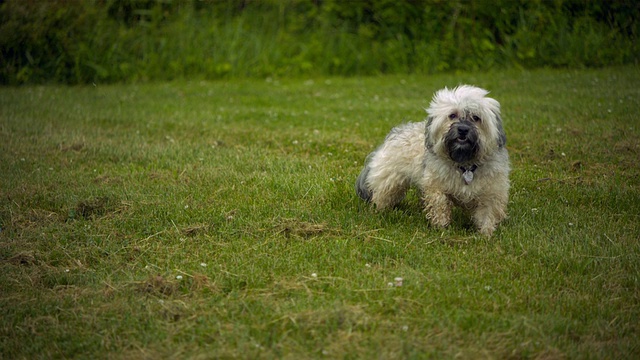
{"type": "Point", "coordinates": [201, 219]}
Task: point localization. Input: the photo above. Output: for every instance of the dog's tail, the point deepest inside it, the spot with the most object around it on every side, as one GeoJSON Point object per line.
{"type": "Point", "coordinates": [361, 185]}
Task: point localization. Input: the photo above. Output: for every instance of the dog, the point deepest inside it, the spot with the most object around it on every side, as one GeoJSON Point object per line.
{"type": "Point", "coordinates": [456, 157]}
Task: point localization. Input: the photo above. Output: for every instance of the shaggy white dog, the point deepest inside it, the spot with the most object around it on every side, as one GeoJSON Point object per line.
{"type": "Point", "coordinates": [457, 156]}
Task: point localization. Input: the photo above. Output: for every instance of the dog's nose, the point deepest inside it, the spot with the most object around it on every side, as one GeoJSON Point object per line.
{"type": "Point", "coordinates": [463, 130]}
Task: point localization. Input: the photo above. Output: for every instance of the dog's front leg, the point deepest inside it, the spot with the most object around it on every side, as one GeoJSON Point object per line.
{"type": "Point", "coordinates": [489, 214]}
{"type": "Point", "coordinates": [438, 208]}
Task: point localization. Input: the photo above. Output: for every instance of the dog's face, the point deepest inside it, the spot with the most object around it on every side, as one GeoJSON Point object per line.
{"type": "Point", "coordinates": [462, 141]}
{"type": "Point", "coordinates": [464, 125]}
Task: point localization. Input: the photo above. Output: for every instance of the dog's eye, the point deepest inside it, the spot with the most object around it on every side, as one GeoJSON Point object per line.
{"type": "Point", "coordinates": [475, 118]}
{"type": "Point", "coordinates": [453, 116]}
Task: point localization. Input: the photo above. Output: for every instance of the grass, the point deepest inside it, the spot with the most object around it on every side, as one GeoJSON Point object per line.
{"type": "Point", "coordinates": [82, 42]}
{"type": "Point", "coordinates": [218, 219]}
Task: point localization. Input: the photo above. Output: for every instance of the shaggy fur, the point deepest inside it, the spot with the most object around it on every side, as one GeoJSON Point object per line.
{"type": "Point", "coordinates": [457, 156]}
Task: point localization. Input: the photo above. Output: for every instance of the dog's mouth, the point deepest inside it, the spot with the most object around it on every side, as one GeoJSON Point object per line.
{"type": "Point", "coordinates": [462, 145]}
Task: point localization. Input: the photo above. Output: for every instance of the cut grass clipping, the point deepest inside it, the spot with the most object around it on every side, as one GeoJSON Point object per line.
{"type": "Point", "coordinates": [219, 219]}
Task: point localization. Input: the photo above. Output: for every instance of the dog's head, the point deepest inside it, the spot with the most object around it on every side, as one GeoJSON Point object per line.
{"type": "Point", "coordinates": [464, 125]}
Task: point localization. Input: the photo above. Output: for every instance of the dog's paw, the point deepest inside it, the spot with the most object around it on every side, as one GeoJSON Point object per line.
{"type": "Point", "coordinates": [487, 230]}
{"type": "Point", "coordinates": [439, 219]}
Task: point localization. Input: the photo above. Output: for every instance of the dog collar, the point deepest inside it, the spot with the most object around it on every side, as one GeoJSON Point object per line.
{"type": "Point", "coordinates": [467, 173]}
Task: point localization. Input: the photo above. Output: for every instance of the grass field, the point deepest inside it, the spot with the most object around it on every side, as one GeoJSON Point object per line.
{"type": "Point", "coordinates": [218, 219]}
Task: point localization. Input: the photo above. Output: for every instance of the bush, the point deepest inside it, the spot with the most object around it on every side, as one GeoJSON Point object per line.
{"type": "Point", "coordinates": [131, 40]}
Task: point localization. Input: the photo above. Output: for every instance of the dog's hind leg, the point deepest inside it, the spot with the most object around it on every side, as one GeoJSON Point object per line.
{"type": "Point", "coordinates": [362, 189]}
{"type": "Point", "coordinates": [383, 190]}
{"type": "Point", "coordinates": [387, 189]}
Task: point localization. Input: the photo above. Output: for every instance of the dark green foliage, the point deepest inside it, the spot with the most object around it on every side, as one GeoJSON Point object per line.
{"type": "Point", "coordinates": [132, 40]}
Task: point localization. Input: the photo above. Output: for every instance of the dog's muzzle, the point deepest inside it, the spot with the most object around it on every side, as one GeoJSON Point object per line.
{"type": "Point", "coordinates": [462, 142]}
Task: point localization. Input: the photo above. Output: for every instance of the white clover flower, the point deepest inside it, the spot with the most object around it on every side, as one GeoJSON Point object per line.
{"type": "Point", "coordinates": [398, 281]}
{"type": "Point", "coordinates": [179, 277]}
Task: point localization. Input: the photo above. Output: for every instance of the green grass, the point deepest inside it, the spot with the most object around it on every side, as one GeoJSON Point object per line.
{"type": "Point", "coordinates": [245, 190]}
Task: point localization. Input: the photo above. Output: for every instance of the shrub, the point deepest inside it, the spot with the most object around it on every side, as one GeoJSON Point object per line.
{"type": "Point", "coordinates": [130, 40]}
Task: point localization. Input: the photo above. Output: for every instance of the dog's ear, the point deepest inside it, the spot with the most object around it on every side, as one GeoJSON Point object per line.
{"type": "Point", "coordinates": [427, 139]}
{"type": "Point", "coordinates": [502, 135]}
{"type": "Point", "coordinates": [429, 120]}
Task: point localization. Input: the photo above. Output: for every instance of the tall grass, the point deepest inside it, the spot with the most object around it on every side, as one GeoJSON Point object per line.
{"type": "Point", "coordinates": [85, 42]}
